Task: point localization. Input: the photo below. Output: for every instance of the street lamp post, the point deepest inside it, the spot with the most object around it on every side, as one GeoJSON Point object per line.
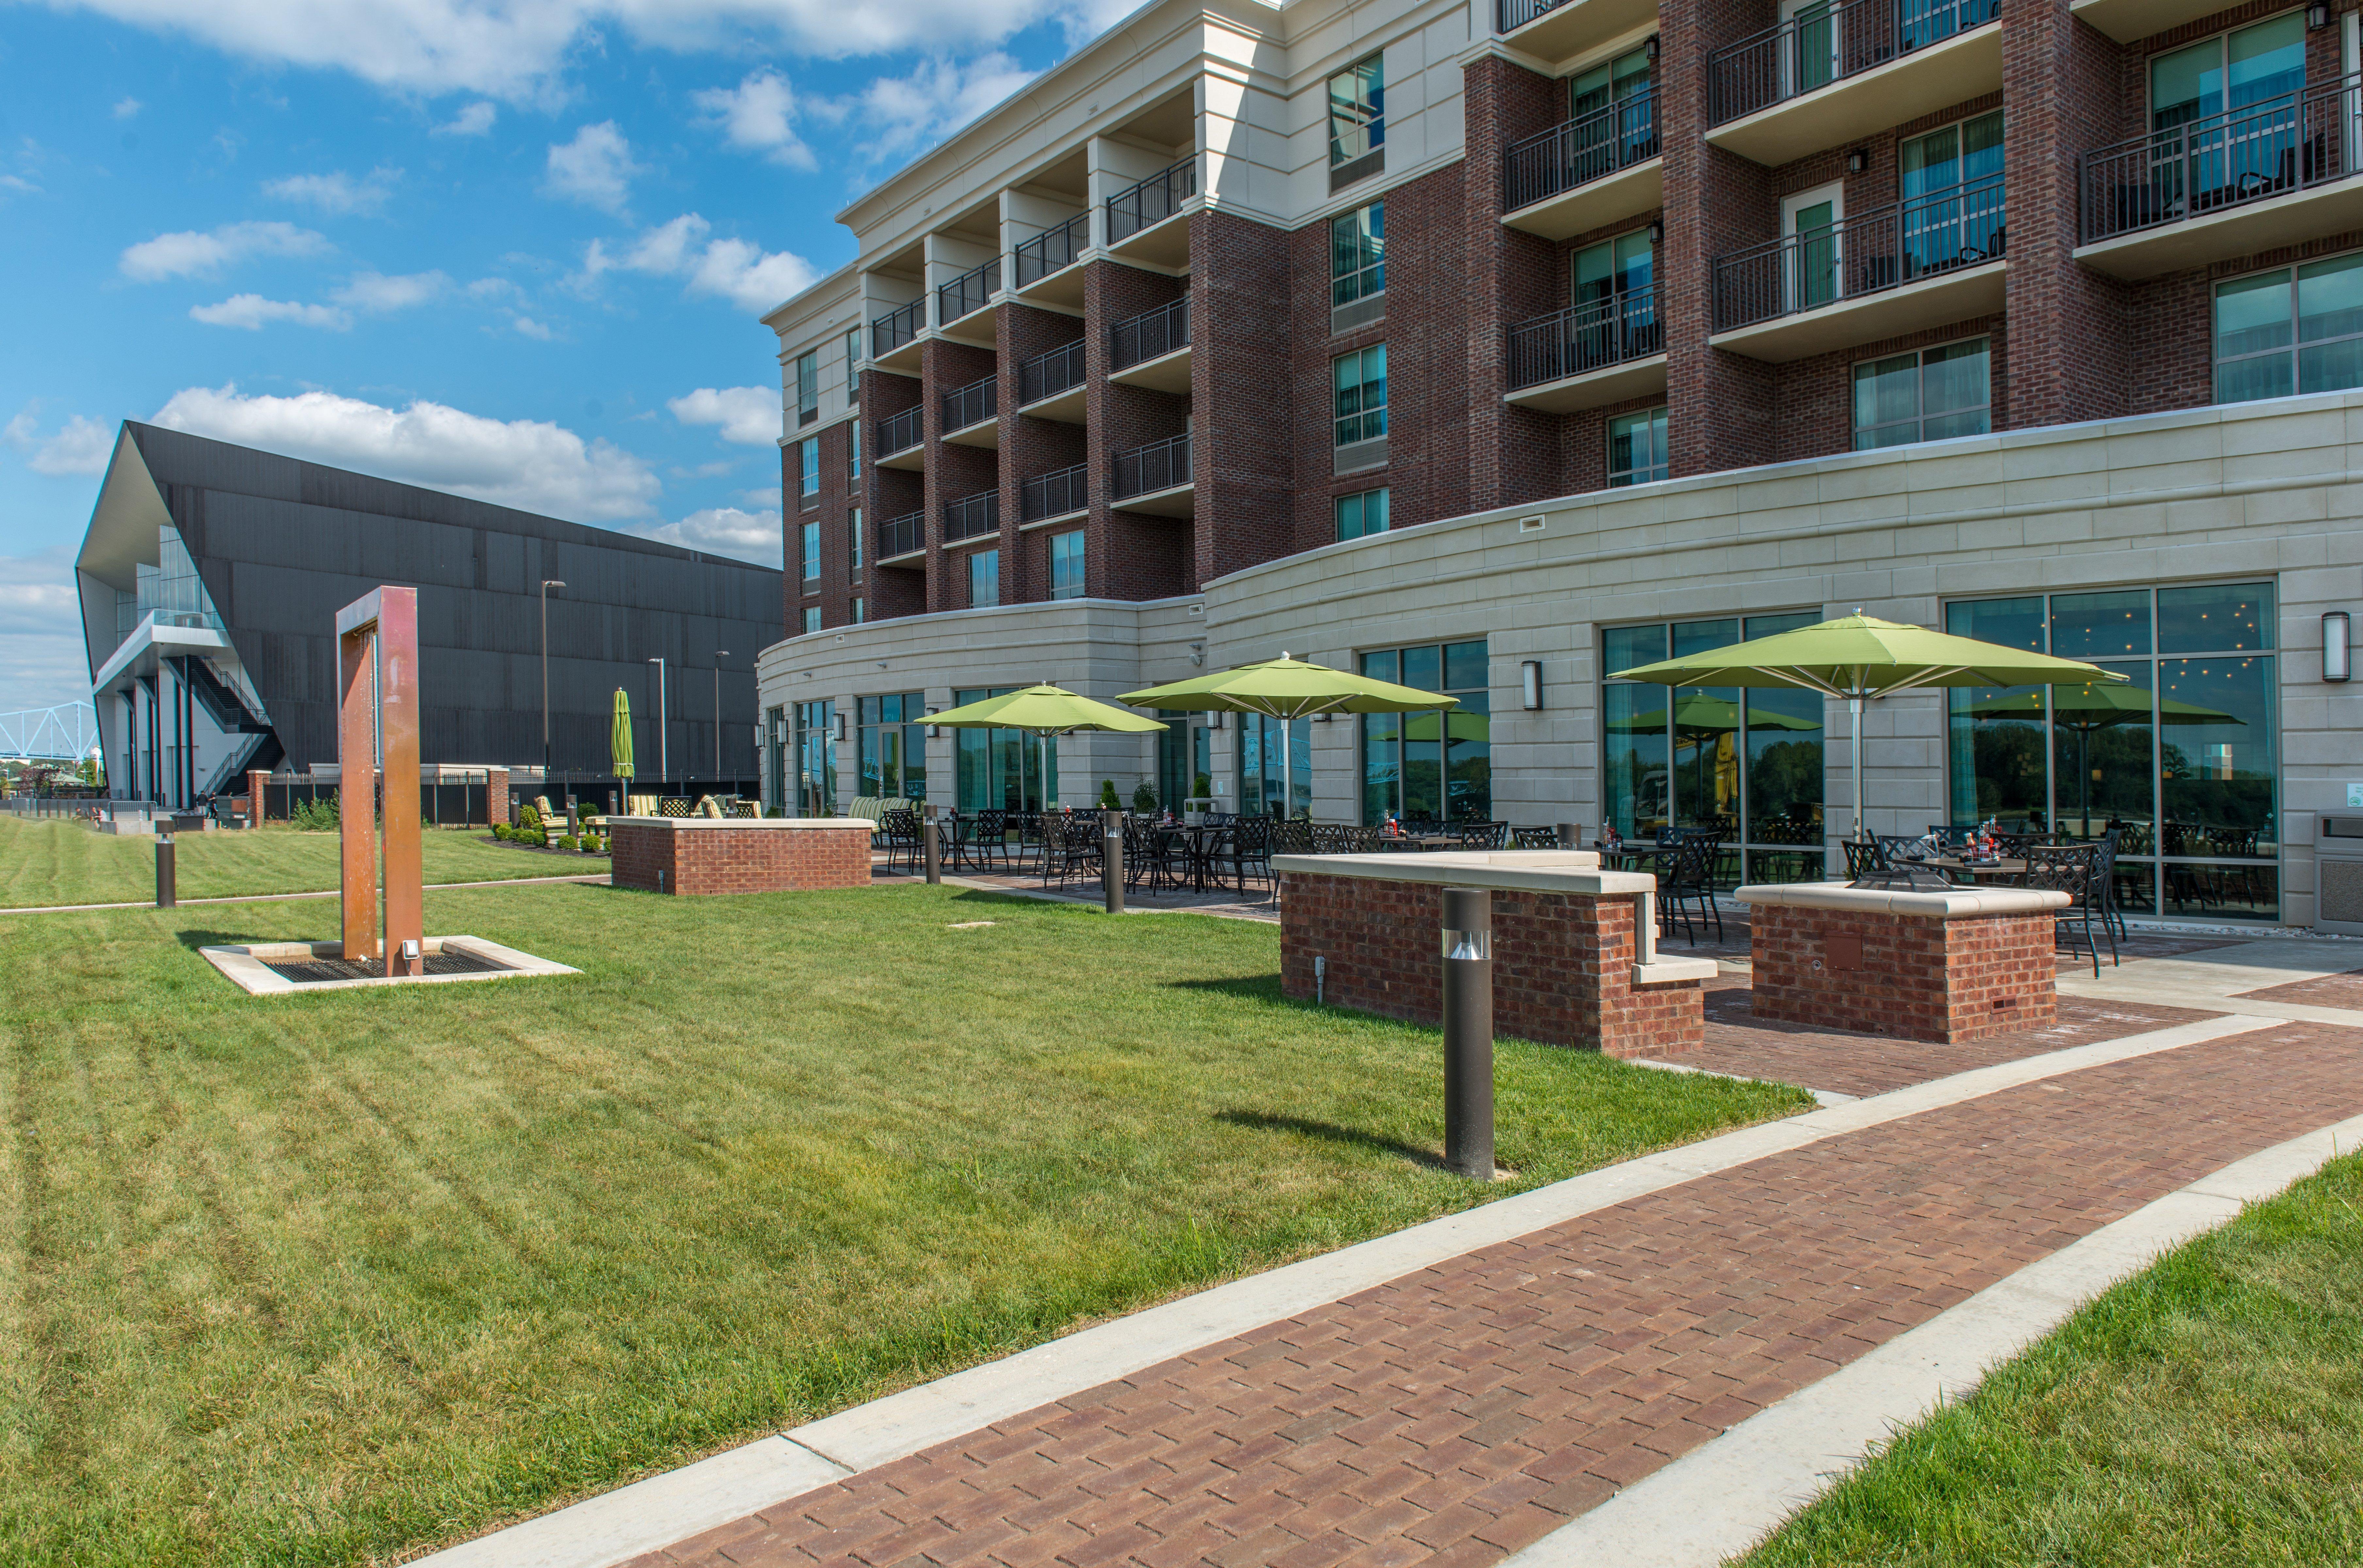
{"type": "Point", "coordinates": [547, 584]}
{"type": "Point", "coordinates": [664, 761]}
{"type": "Point", "coordinates": [719, 654]}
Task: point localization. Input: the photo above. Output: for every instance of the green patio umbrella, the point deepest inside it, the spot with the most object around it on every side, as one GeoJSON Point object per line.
{"type": "Point", "coordinates": [1859, 657]}
{"type": "Point", "coordinates": [1043, 710]}
{"type": "Point", "coordinates": [1288, 689]}
{"type": "Point", "coordinates": [619, 736]}
{"type": "Point", "coordinates": [2088, 709]}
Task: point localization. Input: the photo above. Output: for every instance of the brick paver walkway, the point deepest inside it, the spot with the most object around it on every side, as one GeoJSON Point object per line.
{"type": "Point", "coordinates": [1458, 1413]}
{"type": "Point", "coordinates": [2329, 990]}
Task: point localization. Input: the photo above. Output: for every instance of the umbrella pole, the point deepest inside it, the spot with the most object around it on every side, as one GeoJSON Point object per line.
{"type": "Point", "coordinates": [1854, 710]}
{"type": "Point", "coordinates": [1287, 796]}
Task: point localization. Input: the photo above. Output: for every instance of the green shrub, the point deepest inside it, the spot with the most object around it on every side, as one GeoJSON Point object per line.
{"type": "Point", "coordinates": [1144, 799]}
{"type": "Point", "coordinates": [567, 841]}
{"type": "Point", "coordinates": [1202, 788]}
{"type": "Point", "coordinates": [1108, 801]}
{"type": "Point", "coordinates": [314, 816]}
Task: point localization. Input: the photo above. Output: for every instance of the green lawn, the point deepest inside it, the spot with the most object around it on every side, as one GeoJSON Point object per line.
{"type": "Point", "coordinates": [2207, 1412]}
{"type": "Point", "coordinates": [319, 1279]}
{"type": "Point", "coordinates": [47, 863]}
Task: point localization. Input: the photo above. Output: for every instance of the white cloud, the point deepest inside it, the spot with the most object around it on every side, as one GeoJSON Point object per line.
{"type": "Point", "coordinates": [756, 114]}
{"type": "Point", "coordinates": [339, 191]}
{"type": "Point", "coordinates": [734, 269]}
{"type": "Point", "coordinates": [190, 253]}
{"type": "Point", "coordinates": [81, 446]}
{"type": "Point", "coordinates": [530, 464]}
{"type": "Point", "coordinates": [748, 415]}
{"type": "Point", "coordinates": [902, 115]}
{"type": "Point", "coordinates": [594, 169]}
{"type": "Point", "coordinates": [41, 630]}
{"type": "Point", "coordinates": [476, 119]}
{"type": "Point", "coordinates": [727, 531]}
{"type": "Point", "coordinates": [13, 183]}
{"type": "Point", "coordinates": [253, 313]}
{"type": "Point", "coordinates": [532, 328]}
{"type": "Point", "coordinates": [127, 107]}
{"type": "Point", "coordinates": [376, 292]}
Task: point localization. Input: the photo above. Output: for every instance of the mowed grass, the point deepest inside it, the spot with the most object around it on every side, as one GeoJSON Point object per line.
{"type": "Point", "coordinates": [47, 863]}
{"type": "Point", "coordinates": [2207, 1412]}
{"type": "Point", "coordinates": [330, 1278]}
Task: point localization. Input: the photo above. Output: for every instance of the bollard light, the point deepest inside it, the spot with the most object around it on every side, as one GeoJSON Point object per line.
{"type": "Point", "coordinates": [1112, 860]}
{"type": "Point", "coordinates": [168, 892]}
{"type": "Point", "coordinates": [1468, 949]}
{"type": "Point", "coordinates": [933, 845]}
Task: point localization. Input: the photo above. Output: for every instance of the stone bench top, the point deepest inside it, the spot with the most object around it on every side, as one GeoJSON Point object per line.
{"type": "Point", "coordinates": [1523, 870]}
{"type": "Point", "coordinates": [743, 823]}
{"type": "Point", "coordinates": [1966, 903]}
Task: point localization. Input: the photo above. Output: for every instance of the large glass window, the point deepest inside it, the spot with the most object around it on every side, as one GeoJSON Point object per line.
{"type": "Point", "coordinates": [1358, 103]}
{"type": "Point", "coordinates": [1743, 762]}
{"type": "Point", "coordinates": [1003, 769]}
{"type": "Point", "coordinates": [1625, 265]}
{"type": "Point", "coordinates": [812, 619]}
{"type": "Point", "coordinates": [853, 450]}
{"type": "Point", "coordinates": [1427, 763]}
{"type": "Point", "coordinates": [1358, 254]}
{"type": "Point", "coordinates": [1067, 565]}
{"type": "Point", "coordinates": [894, 741]}
{"type": "Point", "coordinates": [853, 366]}
{"type": "Point", "coordinates": [815, 754]}
{"type": "Point", "coordinates": [1928, 395]}
{"type": "Point", "coordinates": [2182, 759]}
{"type": "Point", "coordinates": [1365, 511]}
{"type": "Point", "coordinates": [1360, 379]}
{"type": "Point", "coordinates": [808, 466]}
{"type": "Point", "coordinates": [1637, 449]}
{"type": "Point", "coordinates": [853, 540]}
{"type": "Point", "coordinates": [859, 609]}
{"type": "Point", "coordinates": [1185, 759]}
{"type": "Point", "coordinates": [808, 387]}
{"type": "Point", "coordinates": [983, 578]}
{"type": "Point", "coordinates": [2290, 330]}
{"type": "Point", "coordinates": [1952, 212]}
{"type": "Point", "coordinates": [775, 758]}
{"type": "Point", "coordinates": [810, 533]}
{"type": "Point", "coordinates": [2256, 64]}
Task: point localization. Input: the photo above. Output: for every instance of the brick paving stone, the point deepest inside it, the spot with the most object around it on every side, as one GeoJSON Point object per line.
{"type": "Point", "coordinates": [2330, 990]}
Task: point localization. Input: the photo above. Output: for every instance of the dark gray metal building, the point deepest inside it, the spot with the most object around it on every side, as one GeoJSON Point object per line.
{"type": "Point", "coordinates": [211, 576]}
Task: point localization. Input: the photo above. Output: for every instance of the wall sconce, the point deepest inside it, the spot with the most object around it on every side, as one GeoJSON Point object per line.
{"type": "Point", "coordinates": [840, 726]}
{"type": "Point", "coordinates": [1530, 683]}
{"type": "Point", "coordinates": [2317, 15]}
{"type": "Point", "coordinates": [1197, 653]}
{"type": "Point", "coordinates": [1858, 160]}
{"type": "Point", "coordinates": [1657, 231]}
{"type": "Point", "coordinates": [2337, 646]}
{"type": "Point", "coordinates": [935, 732]}
{"type": "Point", "coordinates": [1650, 49]}
{"type": "Point", "coordinates": [1214, 719]}
{"type": "Point", "coordinates": [1320, 718]}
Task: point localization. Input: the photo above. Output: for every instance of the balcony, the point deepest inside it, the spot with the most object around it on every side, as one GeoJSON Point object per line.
{"type": "Point", "coordinates": [1139, 219]}
{"type": "Point", "coordinates": [894, 336]}
{"type": "Point", "coordinates": [2130, 21]}
{"type": "Point", "coordinates": [1586, 174]}
{"type": "Point", "coordinates": [963, 297]}
{"type": "Point", "coordinates": [1603, 351]}
{"type": "Point", "coordinates": [1858, 69]}
{"type": "Point", "coordinates": [2262, 176]}
{"type": "Point", "coordinates": [970, 416]}
{"type": "Point", "coordinates": [1063, 493]}
{"type": "Point", "coordinates": [1039, 267]}
{"type": "Point", "coordinates": [902, 540]}
{"type": "Point", "coordinates": [972, 516]}
{"type": "Point", "coordinates": [1051, 385]}
{"type": "Point", "coordinates": [1558, 29]}
{"type": "Point", "coordinates": [1154, 478]}
{"type": "Point", "coordinates": [900, 440]}
{"type": "Point", "coordinates": [1152, 349]}
{"type": "Point", "coordinates": [1923, 263]}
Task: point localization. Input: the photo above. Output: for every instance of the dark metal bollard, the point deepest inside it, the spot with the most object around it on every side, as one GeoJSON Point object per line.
{"type": "Point", "coordinates": [1468, 1032]}
{"type": "Point", "coordinates": [168, 891]}
{"type": "Point", "coordinates": [929, 837]}
{"type": "Point", "coordinates": [1112, 860]}
{"type": "Point", "coordinates": [1567, 836]}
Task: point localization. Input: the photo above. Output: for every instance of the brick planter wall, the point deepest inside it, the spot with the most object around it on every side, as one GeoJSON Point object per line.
{"type": "Point", "coordinates": [1562, 963]}
{"type": "Point", "coordinates": [674, 857]}
{"type": "Point", "coordinates": [1914, 978]}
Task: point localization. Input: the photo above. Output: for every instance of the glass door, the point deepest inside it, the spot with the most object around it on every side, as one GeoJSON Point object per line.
{"type": "Point", "coordinates": [1809, 221]}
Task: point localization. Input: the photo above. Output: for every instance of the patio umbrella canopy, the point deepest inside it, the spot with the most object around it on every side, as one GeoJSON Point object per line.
{"type": "Point", "coordinates": [1860, 658]}
{"type": "Point", "coordinates": [1044, 710]}
{"type": "Point", "coordinates": [1288, 689]}
{"type": "Point", "coordinates": [619, 736]}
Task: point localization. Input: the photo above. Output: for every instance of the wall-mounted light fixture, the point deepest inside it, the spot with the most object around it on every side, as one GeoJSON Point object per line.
{"type": "Point", "coordinates": [1214, 719]}
{"type": "Point", "coordinates": [2317, 15]}
{"type": "Point", "coordinates": [1530, 683]}
{"type": "Point", "coordinates": [2337, 646]}
{"type": "Point", "coordinates": [840, 726]}
{"type": "Point", "coordinates": [1197, 653]}
{"type": "Point", "coordinates": [1858, 160]}
{"type": "Point", "coordinates": [1657, 231]}
{"type": "Point", "coordinates": [1650, 49]}
{"type": "Point", "coordinates": [935, 732]}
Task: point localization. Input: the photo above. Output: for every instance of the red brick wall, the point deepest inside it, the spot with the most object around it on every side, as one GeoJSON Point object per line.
{"type": "Point", "coordinates": [1562, 963]}
{"type": "Point", "coordinates": [1032, 448]}
{"type": "Point", "coordinates": [1515, 454]}
{"type": "Point", "coordinates": [1945, 980]}
{"type": "Point", "coordinates": [654, 856]}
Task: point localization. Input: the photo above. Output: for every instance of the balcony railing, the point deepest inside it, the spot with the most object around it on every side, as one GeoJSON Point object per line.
{"type": "Point", "coordinates": [1591, 337]}
{"type": "Point", "coordinates": [975, 515]}
{"type": "Point", "coordinates": [2257, 150]}
{"type": "Point", "coordinates": [1055, 495]}
{"type": "Point", "coordinates": [901, 535]}
{"type": "Point", "coordinates": [896, 327]}
{"type": "Point", "coordinates": [1160, 465]}
{"type": "Point", "coordinates": [1511, 15]}
{"type": "Point", "coordinates": [970, 405]}
{"type": "Point", "coordinates": [1047, 375]}
{"type": "Point", "coordinates": [1590, 146]}
{"type": "Point", "coordinates": [1152, 201]}
{"type": "Point", "coordinates": [1816, 49]}
{"type": "Point", "coordinates": [1052, 250]}
{"type": "Point", "coordinates": [1149, 335]}
{"type": "Point", "coordinates": [969, 292]}
{"type": "Point", "coordinates": [901, 432]}
{"type": "Point", "coordinates": [1865, 254]}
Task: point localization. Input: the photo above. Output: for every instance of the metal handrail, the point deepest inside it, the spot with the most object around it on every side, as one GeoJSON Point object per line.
{"type": "Point", "coordinates": [971, 515]}
{"type": "Point", "coordinates": [967, 293]}
{"type": "Point", "coordinates": [901, 535]}
{"type": "Point", "coordinates": [901, 432]}
{"type": "Point", "coordinates": [1055, 495]}
{"type": "Point", "coordinates": [2260, 149]}
{"type": "Point", "coordinates": [971, 405]}
{"type": "Point", "coordinates": [1048, 374]}
{"type": "Point", "coordinates": [897, 326]}
{"type": "Point", "coordinates": [1152, 201]}
{"type": "Point", "coordinates": [1052, 250]}
{"type": "Point", "coordinates": [1511, 15]}
{"type": "Point", "coordinates": [1810, 52]}
{"type": "Point", "coordinates": [1589, 336]}
{"type": "Point", "coordinates": [1866, 253]}
{"type": "Point", "coordinates": [1151, 334]}
{"type": "Point", "coordinates": [1159, 465]}
{"type": "Point", "coordinates": [1590, 146]}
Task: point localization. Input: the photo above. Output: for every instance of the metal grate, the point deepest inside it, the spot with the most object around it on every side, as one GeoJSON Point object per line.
{"type": "Point", "coordinates": [317, 971]}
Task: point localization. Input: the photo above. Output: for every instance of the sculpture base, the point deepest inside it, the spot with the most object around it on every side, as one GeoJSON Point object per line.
{"type": "Point", "coordinates": [282, 969]}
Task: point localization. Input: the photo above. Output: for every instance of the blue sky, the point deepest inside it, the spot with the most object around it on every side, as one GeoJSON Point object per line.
{"type": "Point", "coordinates": [515, 250]}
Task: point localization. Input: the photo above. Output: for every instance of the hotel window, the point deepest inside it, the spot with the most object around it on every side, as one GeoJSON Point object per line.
{"type": "Point", "coordinates": [812, 552]}
{"type": "Point", "coordinates": [894, 742]}
{"type": "Point", "coordinates": [1001, 769]}
{"type": "Point", "coordinates": [807, 387]}
{"type": "Point", "coordinates": [2182, 759]}
{"type": "Point", "coordinates": [808, 466]}
{"type": "Point", "coordinates": [983, 578]}
{"type": "Point", "coordinates": [1358, 254]}
{"type": "Point", "coordinates": [853, 450]}
{"type": "Point", "coordinates": [1637, 449]}
{"type": "Point", "coordinates": [1952, 212]}
{"type": "Point", "coordinates": [860, 611]}
{"type": "Point", "coordinates": [815, 750]}
{"type": "Point", "coordinates": [1413, 765]}
{"type": "Point", "coordinates": [853, 366]}
{"type": "Point", "coordinates": [1067, 565]}
{"type": "Point", "coordinates": [1745, 762]}
{"type": "Point", "coordinates": [1929, 395]}
{"type": "Point", "coordinates": [2232, 71]}
{"type": "Point", "coordinates": [1360, 514]}
{"type": "Point", "coordinates": [812, 619]}
{"type": "Point", "coordinates": [1360, 379]}
{"type": "Point", "coordinates": [2290, 330]}
{"type": "Point", "coordinates": [853, 540]}
{"type": "Point", "coordinates": [1357, 120]}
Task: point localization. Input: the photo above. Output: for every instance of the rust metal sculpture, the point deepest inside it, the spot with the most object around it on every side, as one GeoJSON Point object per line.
{"type": "Point", "coordinates": [377, 656]}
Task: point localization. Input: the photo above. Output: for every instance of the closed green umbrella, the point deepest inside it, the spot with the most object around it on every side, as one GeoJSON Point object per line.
{"type": "Point", "coordinates": [620, 737]}
{"type": "Point", "coordinates": [1043, 710]}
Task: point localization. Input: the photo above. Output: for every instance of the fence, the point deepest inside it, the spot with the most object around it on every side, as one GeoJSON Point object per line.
{"type": "Point", "coordinates": [1151, 334]}
{"type": "Point", "coordinates": [1865, 254]}
{"type": "Point", "coordinates": [901, 535]}
{"type": "Point", "coordinates": [971, 515]}
{"type": "Point", "coordinates": [971, 291]}
{"type": "Point", "coordinates": [901, 432]}
{"type": "Point", "coordinates": [1055, 495]}
{"type": "Point", "coordinates": [1588, 147]}
{"type": "Point", "coordinates": [2223, 160]}
{"type": "Point", "coordinates": [1159, 465]}
{"type": "Point", "coordinates": [1591, 337]}
{"type": "Point", "coordinates": [1152, 201]}
{"type": "Point", "coordinates": [1052, 250]}
{"type": "Point", "coordinates": [896, 327]}
{"type": "Point", "coordinates": [1815, 48]}
{"type": "Point", "coordinates": [1048, 374]}
{"type": "Point", "coordinates": [971, 405]}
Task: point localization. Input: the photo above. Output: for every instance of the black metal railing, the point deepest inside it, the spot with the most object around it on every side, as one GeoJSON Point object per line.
{"type": "Point", "coordinates": [1152, 201]}
{"type": "Point", "coordinates": [897, 326]}
{"type": "Point", "coordinates": [971, 515]}
{"type": "Point", "coordinates": [1055, 495]}
{"type": "Point", "coordinates": [1590, 146]}
{"type": "Point", "coordinates": [1591, 337]}
{"type": "Point", "coordinates": [1160, 465]}
{"type": "Point", "coordinates": [1047, 375]}
{"type": "Point", "coordinates": [1864, 254]}
{"type": "Point", "coordinates": [901, 432]}
{"type": "Point", "coordinates": [1817, 48]}
{"type": "Point", "coordinates": [901, 535]}
{"type": "Point", "coordinates": [1151, 334]}
{"type": "Point", "coordinates": [969, 292]}
{"type": "Point", "coordinates": [2206, 165]}
{"type": "Point", "coordinates": [970, 405]}
{"type": "Point", "coordinates": [1512, 14]}
{"type": "Point", "coordinates": [1052, 250]}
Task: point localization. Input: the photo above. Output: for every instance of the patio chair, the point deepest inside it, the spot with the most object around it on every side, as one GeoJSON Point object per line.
{"type": "Point", "coordinates": [1147, 857]}
{"type": "Point", "coordinates": [2073, 869]}
{"type": "Point", "coordinates": [1247, 848]}
{"type": "Point", "coordinates": [1285, 837]}
{"type": "Point", "coordinates": [1683, 879]}
{"type": "Point", "coordinates": [2112, 916]}
{"type": "Point", "coordinates": [1863, 859]}
{"type": "Point", "coordinates": [898, 833]}
{"type": "Point", "coordinates": [1534, 838]}
{"type": "Point", "coordinates": [1333, 838]}
{"type": "Point", "coordinates": [1484, 836]}
{"type": "Point", "coordinates": [1070, 848]}
{"type": "Point", "coordinates": [992, 837]}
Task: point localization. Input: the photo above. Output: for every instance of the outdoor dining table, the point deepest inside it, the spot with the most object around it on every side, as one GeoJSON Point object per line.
{"type": "Point", "coordinates": [1200, 842]}
{"type": "Point", "coordinates": [2008, 868]}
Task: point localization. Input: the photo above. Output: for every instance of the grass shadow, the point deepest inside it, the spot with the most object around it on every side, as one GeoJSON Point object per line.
{"type": "Point", "coordinates": [1247, 988]}
{"type": "Point", "coordinates": [1330, 1133]}
{"type": "Point", "coordinates": [192, 940]}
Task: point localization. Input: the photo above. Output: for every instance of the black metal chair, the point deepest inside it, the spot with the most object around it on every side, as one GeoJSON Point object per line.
{"type": "Point", "coordinates": [2073, 869]}
{"type": "Point", "coordinates": [1247, 849]}
{"type": "Point", "coordinates": [1284, 837]}
{"type": "Point", "coordinates": [1150, 857]}
{"type": "Point", "coordinates": [1684, 875]}
{"type": "Point", "coordinates": [1333, 838]}
{"type": "Point", "coordinates": [1070, 848]}
{"type": "Point", "coordinates": [1484, 836]}
{"type": "Point", "coordinates": [992, 837]}
{"type": "Point", "coordinates": [1863, 859]}
{"type": "Point", "coordinates": [899, 833]}
{"type": "Point", "coordinates": [1534, 838]}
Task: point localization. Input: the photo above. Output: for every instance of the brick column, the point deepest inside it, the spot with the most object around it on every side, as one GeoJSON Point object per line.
{"type": "Point", "coordinates": [496, 796]}
{"type": "Point", "coordinates": [1239, 450]}
{"type": "Point", "coordinates": [1030, 448]}
{"type": "Point", "coordinates": [258, 797]}
{"type": "Point", "coordinates": [1513, 453]}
